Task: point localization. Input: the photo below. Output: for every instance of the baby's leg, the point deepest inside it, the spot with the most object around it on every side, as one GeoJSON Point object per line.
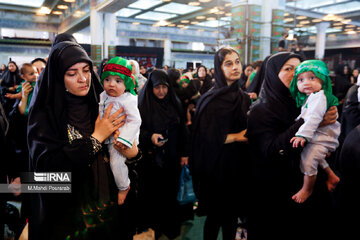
{"type": "Point", "coordinates": [306, 190]}
{"type": "Point", "coordinates": [332, 180]}
{"type": "Point", "coordinates": [308, 166]}
{"type": "Point", "coordinates": [120, 172]}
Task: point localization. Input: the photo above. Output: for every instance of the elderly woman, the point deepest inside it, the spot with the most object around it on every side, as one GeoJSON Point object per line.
{"type": "Point", "coordinates": [65, 135]}
{"type": "Point", "coordinates": [276, 164]}
{"type": "Point", "coordinates": [163, 140]}
{"type": "Point", "coordinates": [218, 160]}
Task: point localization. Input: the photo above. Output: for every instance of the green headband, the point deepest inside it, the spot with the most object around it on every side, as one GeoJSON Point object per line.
{"type": "Point", "coordinates": [183, 79]}
{"type": "Point", "coordinates": [321, 71]}
{"type": "Point", "coordinates": [118, 66]}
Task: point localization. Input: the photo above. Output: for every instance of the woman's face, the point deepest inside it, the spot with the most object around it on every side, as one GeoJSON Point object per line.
{"type": "Point", "coordinates": [12, 67]}
{"type": "Point", "coordinates": [133, 71]}
{"type": "Point", "coordinates": [160, 91]}
{"type": "Point", "coordinates": [77, 79]}
{"type": "Point", "coordinates": [231, 67]}
{"type": "Point", "coordinates": [346, 70]}
{"type": "Point", "coordinates": [287, 71]}
{"type": "Point", "coordinates": [248, 70]}
{"type": "Point", "coordinates": [202, 72]}
{"type": "Point", "coordinates": [356, 73]}
{"type": "Point", "coordinates": [3, 67]}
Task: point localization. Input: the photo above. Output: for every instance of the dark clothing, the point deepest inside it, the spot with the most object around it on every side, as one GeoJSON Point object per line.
{"type": "Point", "coordinates": [59, 129]}
{"type": "Point", "coordinates": [276, 172]}
{"type": "Point", "coordinates": [351, 111]}
{"type": "Point", "coordinates": [9, 79]}
{"type": "Point", "coordinates": [348, 206]}
{"type": "Point", "coordinates": [258, 80]}
{"type": "Point", "coordinates": [220, 170]}
{"type": "Point", "coordinates": [162, 164]}
{"type": "Point", "coordinates": [206, 85]}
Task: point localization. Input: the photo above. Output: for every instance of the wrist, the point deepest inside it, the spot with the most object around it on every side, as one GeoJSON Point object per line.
{"type": "Point", "coordinates": [97, 137]}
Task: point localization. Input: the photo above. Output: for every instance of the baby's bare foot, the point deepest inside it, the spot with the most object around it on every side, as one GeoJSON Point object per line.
{"type": "Point", "coordinates": [122, 196]}
{"type": "Point", "coordinates": [301, 195]}
{"type": "Point", "coordinates": [332, 181]}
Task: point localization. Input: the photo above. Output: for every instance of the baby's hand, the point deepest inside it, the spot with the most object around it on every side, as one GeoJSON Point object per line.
{"type": "Point", "coordinates": [122, 146]}
{"type": "Point", "coordinates": [298, 140]}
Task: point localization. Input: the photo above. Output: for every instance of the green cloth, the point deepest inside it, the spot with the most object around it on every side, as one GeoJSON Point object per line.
{"type": "Point", "coordinates": [252, 76]}
{"type": "Point", "coordinates": [118, 66]}
{"type": "Point", "coordinates": [321, 71]}
{"type": "Point", "coordinates": [19, 89]}
{"type": "Point", "coordinates": [183, 79]}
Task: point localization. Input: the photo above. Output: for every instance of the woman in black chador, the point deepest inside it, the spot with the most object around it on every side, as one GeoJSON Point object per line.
{"type": "Point", "coordinates": [271, 125]}
{"type": "Point", "coordinates": [218, 157]}
{"type": "Point", "coordinates": [65, 135]}
{"type": "Point", "coordinates": [163, 141]}
{"type": "Point", "coordinates": [10, 81]}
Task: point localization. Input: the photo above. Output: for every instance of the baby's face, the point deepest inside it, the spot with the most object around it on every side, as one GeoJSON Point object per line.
{"type": "Point", "coordinates": [308, 83]}
{"type": "Point", "coordinates": [184, 84]}
{"type": "Point", "coordinates": [31, 74]}
{"type": "Point", "coordinates": [114, 86]}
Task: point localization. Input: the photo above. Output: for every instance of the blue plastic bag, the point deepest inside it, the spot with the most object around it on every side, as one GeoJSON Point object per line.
{"type": "Point", "coordinates": [186, 191]}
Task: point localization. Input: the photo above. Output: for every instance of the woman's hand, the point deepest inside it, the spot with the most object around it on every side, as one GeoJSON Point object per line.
{"type": "Point", "coordinates": [236, 137]}
{"type": "Point", "coordinates": [252, 95]}
{"type": "Point", "coordinates": [329, 117]}
{"type": "Point", "coordinates": [155, 139]}
{"type": "Point", "coordinates": [108, 124]}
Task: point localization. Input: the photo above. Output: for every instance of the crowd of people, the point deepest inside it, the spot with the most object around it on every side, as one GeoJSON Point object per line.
{"type": "Point", "coordinates": [252, 135]}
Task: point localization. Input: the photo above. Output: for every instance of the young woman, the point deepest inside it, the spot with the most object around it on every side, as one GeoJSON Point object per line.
{"type": "Point", "coordinates": [65, 135]}
{"type": "Point", "coordinates": [218, 159]}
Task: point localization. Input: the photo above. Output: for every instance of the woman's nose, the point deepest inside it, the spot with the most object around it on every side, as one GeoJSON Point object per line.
{"type": "Point", "coordinates": [82, 78]}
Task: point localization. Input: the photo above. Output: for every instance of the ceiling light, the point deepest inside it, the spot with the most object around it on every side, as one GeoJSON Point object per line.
{"type": "Point", "coordinates": [200, 17]}
{"type": "Point", "coordinates": [135, 23]}
{"type": "Point", "coordinates": [330, 17]}
{"type": "Point", "coordinates": [214, 10]}
{"type": "Point", "coordinates": [337, 27]}
{"type": "Point", "coordinates": [57, 12]}
{"type": "Point", "coordinates": [299, 25]}
{"type": "Point", "coordinates": [228, 14]}
{"type": "Point", "coordinates": [304, 22]}
{"type": "Point", "coordinates": [288, 19]}
{"type": "Point", "coordinates": [185, 21]}
{"type": "Point", "coordinates": [194, 3]}
{"type": "Point", "coordinates": [204, 1]}
{"type": "Point", "coordinates": [286, 14]}
{"type": "Point", "coordinates": [180, 25]}
{"type": "Point", "coordinates": [166, 0]}
{"type": "Point", "coordinates": [316, 20]}
{"type": "Point", "coordinates": [69, 1]}
{"type": "Point", "coordinates": [44, 10]}
{"type": "Point", "coordinates": [171, 25]}
{"type": "Point", "coordinates": [194, 22]}
{"type": "Point", "coordinates": [346, 21]}
{"type": "Point", "coordinates": [338, 24]}
{"type": "Point", "coordinates": [63, 7]}
{"type": "Point", "coordinates": [162, 23]}
{"type": "Point", "coordinates": [351, 32]}
{"type": "Point", "coordinates": [301, 17]}
{"type": "Point", "coordinates": [211, 19]}
{"type": "Point", "coordinates": [228, 4]}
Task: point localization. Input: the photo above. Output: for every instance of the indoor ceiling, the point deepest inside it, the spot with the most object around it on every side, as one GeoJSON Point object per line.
{"type": "Point", "coordinates": [300, 15]}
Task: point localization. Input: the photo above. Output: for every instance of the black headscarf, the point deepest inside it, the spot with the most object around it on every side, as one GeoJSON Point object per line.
{"type": "Point", "coordinates": [243, 78]}
{"type": "Point", "coordinates": [276, 98]}
{"type": "Point", "coordinates": [207, 82]}
{"type": "Point", "coordinates": [52, 108]}
{"type": "Point", "coordinates": [257, 82]}
{"type": "Point", "coordinates": [9, 79]}
{"type": "Point", "coordinates": [62, 38]}
{"type": "Point", "coordinates": [158, 115]}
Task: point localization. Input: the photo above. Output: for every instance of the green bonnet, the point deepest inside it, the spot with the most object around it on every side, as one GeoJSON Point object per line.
{"type": "Point", "coordinates": [321, 71]}
{"type": "Point", "coordinates": [118, 66]}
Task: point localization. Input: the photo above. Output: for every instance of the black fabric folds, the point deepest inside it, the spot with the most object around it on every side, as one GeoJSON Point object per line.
{"type": "Point", "coordinates": [257, 82]}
